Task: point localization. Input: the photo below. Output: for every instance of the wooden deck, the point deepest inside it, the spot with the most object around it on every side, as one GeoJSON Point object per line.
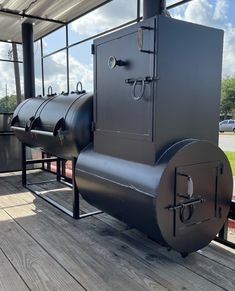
{"type": "Point", "coordinates": [43, 249]}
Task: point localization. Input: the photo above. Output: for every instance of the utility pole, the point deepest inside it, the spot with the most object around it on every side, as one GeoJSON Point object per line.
{"type": "Point", "coordinates": [17, 73]}
{"type": "Point", "coordinates": [6, 97]}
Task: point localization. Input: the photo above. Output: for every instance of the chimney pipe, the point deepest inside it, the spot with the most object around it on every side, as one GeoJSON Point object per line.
{"type": "Point", "coordinates": [153, 7]}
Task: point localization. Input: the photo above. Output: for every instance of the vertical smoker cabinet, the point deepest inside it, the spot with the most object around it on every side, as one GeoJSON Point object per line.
{"type": "Point", "coordinates": [156, 82]}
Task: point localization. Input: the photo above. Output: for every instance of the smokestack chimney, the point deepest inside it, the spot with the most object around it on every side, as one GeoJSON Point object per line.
{"type": "Point", "coordinates": [153, 7]}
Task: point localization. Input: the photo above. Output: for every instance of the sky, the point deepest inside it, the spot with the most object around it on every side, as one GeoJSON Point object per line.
{"type": "Point", "coordinates": [214, 13]}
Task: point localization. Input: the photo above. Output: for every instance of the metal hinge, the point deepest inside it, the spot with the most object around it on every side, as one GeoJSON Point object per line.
{"type": "Point", "coordinates": [92, 49]}
{"type": "Point", "coordinates": [93, 126]}
{"type": "Point", "coordinates": [221, 169]}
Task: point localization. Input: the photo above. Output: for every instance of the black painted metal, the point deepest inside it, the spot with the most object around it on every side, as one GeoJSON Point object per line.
{"type": "Point", "coordinates": [60, 125]}
{"type": "Point", "coordinates": [155, 164]}
{"type": "Point", "coordinates": [28, 57]}
{"type": "Point", "coordinates": [24, 165]}
{"type": "Point", "coordinates": [144, 195]}
{"type": "Point", "coordinates": [176, 57]}
{"type": "Point", "coordinates": [76, 212]}
{"type": "Point", "coordinates": [42, 68]}
{"type": "Point", "coordinates": [153, 7]}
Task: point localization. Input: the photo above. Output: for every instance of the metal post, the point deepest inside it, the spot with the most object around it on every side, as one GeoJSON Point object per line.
{"type": "Point", "coordinates": [58, 175]}
{"type": "Point", "coordinates": [67, 56]}
{"type": "Point", "coordinates": [28, 57]}
{"type": "Point", "coordinates": [76, 201]}
{"type": "Point", "coordinates": [224, 231]}
{"type": "Point", "coordinates": [23, 163]}
{"type": "Point", "coordinates": [42, 68]}
{"type": "Point", "coordinates": [153, 7]}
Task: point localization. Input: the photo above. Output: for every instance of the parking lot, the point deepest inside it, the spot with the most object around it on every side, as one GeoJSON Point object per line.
{"type": "Point", "coordinates": [227, 142]}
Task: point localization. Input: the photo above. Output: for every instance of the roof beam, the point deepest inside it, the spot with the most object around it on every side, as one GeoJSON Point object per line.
{"type": "Point", "coordinates": [26, 15]}
{"type": "Point", "coordinates": [178, 4]}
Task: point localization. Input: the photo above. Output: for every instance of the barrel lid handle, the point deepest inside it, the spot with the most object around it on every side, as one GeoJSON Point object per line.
{"type": "Point", "coordinates": [77, 91]}
{"type": "Point", "coordinates": [14, 120]}
{"type": "Point", "coordinates": [50, 92]}
{"type": "Point", "coordinates": [29, 123]}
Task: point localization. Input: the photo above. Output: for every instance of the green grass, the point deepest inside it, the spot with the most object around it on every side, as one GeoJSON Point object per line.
{"type": "Point", "coordinates": [231, 158]}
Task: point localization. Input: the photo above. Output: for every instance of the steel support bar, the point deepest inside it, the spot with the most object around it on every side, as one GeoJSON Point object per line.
{"type": "Point", "coordinates": [225, 242]}
{"type": "Point", "coordinates": [75, 213]}
{"type": "Point", "coordinates": [26, 15]}
{"type": "Point", "coordinates": [23, 165]}
{"type": "Point", "coordinates": [178, 4]}
{"type": "Point", "coordinates": [30, 162]}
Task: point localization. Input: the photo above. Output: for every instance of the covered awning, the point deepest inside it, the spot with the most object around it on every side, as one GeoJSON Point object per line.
{"type": "Point", "coordinates": [46, 15]}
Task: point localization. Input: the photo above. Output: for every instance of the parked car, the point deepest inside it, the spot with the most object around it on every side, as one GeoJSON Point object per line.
{"type": "Point", "coordinates": [227, 125]}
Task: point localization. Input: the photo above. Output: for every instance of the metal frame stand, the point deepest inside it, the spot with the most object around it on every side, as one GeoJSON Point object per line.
{"type": "Point", "coordinates": [76, 212]}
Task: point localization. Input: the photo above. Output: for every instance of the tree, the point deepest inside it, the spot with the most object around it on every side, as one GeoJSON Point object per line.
{"type": "Point", "coordinates": [8, 104]}
{"type": "Point", "coordinates": [228, 95]}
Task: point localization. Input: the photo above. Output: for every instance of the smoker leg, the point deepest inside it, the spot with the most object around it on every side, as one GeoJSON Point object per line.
{"type": "Point", "coordinates": [184, 255]}
{"type": "Point", "coordinates": [75, 213]}
{"type": "Point", "coordinates": [76, 200]}
{"type": "Point", "coordinates": [23, 164]}
{"type": "Point", "coordinates": [58, 174]}
{"type": "Point", "coordinates": [224, 231]}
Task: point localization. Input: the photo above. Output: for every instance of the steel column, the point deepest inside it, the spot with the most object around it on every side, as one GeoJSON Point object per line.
{"type": "Point", "coordinates": [153, 8]}
{"type": "Point", "coordinates": [23, 161]}
{"type": "Point", "coordinates": [76, 200]}
{"type": "Point", "coordinates": [28, 57]}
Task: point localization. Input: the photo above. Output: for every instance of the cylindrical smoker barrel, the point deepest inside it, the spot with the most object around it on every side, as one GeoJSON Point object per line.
{"type": "Point", "coordinates": [59, 125]}
{"type": "Point", "coordinates": [181, 202]}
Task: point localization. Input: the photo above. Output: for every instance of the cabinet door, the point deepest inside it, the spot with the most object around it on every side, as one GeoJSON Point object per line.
{"type": "Point", "coordinates": [124, 65]}
{"type": "Point", "coordinates": [196, 203]}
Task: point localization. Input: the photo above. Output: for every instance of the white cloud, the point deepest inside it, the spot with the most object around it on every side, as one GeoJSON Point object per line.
{"type": "Point", "coordinates": [205, 12]}
{"type": "Point", "coordinates": [113, 14]}
{"type": "Point", "coordinates": [55, 73]}
{"type": "Point", "coordinates": [214, 15]}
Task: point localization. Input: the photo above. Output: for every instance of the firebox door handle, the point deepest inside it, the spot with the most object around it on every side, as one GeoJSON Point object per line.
{"type": "Point", "coordinates": [141, 82]}
{"type": "Point", "coordinates": [190, 185]}
{"type": "Point", "coordinates": [141, 92]}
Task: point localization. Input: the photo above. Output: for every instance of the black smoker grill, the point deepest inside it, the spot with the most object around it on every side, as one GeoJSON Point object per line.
{"type": "Point", "coordinates": [58, 124]}
{"type": "Point", "coordinates": [154, 161]}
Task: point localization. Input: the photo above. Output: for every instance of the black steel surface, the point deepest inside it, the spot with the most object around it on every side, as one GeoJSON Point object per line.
{"type": "Point", "coordinates": [146, 197]}
{"type": "Point", "coordinates": [59, 125]}
{"type": "Point", "coordinates": [76, 212]}
{"type": "Point", "coordinates": [153, 7]}
{"type": "Point", "coordinates": [139, 120]}
{"type": "Point", "coordinates": [28, 60]}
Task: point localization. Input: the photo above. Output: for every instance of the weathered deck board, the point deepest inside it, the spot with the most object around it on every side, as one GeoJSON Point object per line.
{"type": "Point", "coordinates": [35, 266]}
{"type": "Point", "coordinates": [92, 266]}
{"type": "Point", "coordinates": [100, 252]}
{"type": "Point", "coordinates": [9, 278]}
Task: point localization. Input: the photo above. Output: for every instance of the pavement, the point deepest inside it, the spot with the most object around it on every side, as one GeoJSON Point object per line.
{"type": "Point", "coordinates": [227, 142]}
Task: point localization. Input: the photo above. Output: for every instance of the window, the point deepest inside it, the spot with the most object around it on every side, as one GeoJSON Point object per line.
{"type": "Point", "coordinates": [231, 122]}
{"type": "Point", "coordinates": [11, 82]}
{"type": "Point", "coordinates": [54, 41]}
{"type": "Point", "coordinates": [55, 72]}
{"type": "Point", "coordinates": [81, 66]}
{"type": "Point", "coordinates": [111, 15]}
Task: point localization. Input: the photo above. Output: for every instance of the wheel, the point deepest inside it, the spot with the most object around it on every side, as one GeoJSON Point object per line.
{"type": "Point", "coordinates": [223, 131]}
{"type": "Point", "coordinates": [234, 130]}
